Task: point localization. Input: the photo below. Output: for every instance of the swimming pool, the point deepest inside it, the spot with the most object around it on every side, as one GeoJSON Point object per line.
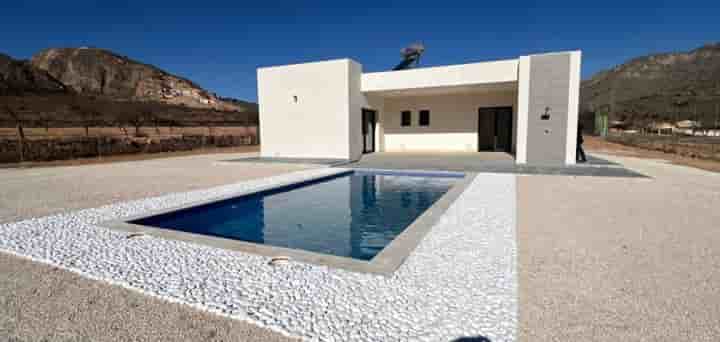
{"type": "Point", "coordinates": [355, 214]}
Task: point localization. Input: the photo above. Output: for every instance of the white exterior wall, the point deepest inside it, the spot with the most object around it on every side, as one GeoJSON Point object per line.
{"type": "Point", "coordinates": [573, 108]}
{"type": "Point", "coordinates": [453, 121]}
{"type": "Point", "coordinates": [522, 110]}
{"type": "Point", "coordinates": [358, 101]}
{"type": "Point", "coordinates": [318, 124]}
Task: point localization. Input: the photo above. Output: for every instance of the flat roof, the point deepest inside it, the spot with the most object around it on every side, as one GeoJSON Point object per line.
{"type": "Point", "coordinates": [503, 71]}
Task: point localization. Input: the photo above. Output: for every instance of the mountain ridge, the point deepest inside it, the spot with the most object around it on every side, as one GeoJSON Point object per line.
{"type": "Point", "coordinates": [78, 86]}
{"type": "Point", "coordinates": [95, 71]}
{"type": "Point", "coordinates": [18, 76]}
{"type": "Point", "coordinates": [667, 86]}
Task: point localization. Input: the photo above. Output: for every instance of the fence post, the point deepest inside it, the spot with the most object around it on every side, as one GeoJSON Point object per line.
{"type": "Point", "coordinates": [21, 141]}
{"type": "Point", "coordinates": [97, 147]}
{"type": "Point", "coordinates": [21, 154]}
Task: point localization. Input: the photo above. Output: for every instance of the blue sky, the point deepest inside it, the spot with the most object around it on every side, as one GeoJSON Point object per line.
{"type": "Point", "coordinates": [219, 44]}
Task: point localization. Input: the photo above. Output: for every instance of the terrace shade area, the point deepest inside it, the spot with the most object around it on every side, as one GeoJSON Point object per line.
{"type": "Point", "coordinates": [480, 117]}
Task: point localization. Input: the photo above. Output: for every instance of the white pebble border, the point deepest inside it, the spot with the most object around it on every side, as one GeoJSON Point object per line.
{"type": "Point", "coordinates": [461, 280]}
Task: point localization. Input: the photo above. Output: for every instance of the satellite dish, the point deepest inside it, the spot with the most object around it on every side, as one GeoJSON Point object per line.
{"type": "Point", "coordinates": [411, 56]}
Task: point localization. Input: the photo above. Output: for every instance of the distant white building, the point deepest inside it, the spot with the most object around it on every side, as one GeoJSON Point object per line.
{"type": "Point", "coordinates": [526, 106]}
{"type": "Point", "coordinates": [686, 127]}
{"type": "Point", "coordinates": [708, 132]}
{"type": "Point", "coordinates": [661, 128]}
{"type": "Point", "coordinates": [688, 124]}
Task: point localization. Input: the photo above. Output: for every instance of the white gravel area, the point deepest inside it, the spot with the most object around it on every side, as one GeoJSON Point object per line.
{"type": "Point", "coordinates": [461, 281]}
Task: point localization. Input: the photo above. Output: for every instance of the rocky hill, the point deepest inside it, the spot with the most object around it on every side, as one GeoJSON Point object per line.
{"type": "Point", "coordinates": [668, 86]}
{"type": "Point", "coordinates": [101, 72]}
{"type": "Point", "coordinates": [17, 77]}
{"type": "Point", "coordinates": [64, 87]}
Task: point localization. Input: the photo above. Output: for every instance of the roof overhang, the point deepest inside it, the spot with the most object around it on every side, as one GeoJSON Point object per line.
{"type": "Point", "coordinates": [453, 78]}
{"type": "Point", "coordinates": [448, 90]}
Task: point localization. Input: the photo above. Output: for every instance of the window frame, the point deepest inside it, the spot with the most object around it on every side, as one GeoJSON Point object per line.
{"type": "Point", "coordinates": [408, 122]}
{"type": "Point", "coordinates": [426, 122]}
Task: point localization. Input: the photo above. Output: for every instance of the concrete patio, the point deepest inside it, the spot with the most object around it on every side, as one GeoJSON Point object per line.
{"type": "Point", "coordinates": [492, 162]}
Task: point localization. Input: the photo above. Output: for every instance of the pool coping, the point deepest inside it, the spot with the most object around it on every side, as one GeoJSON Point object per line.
{"type": "Point", "coordinates": [384, 263]}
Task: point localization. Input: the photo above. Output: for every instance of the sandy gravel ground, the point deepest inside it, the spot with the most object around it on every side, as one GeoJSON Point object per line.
{"type": "Point", "coordinates": [599, 145]}
{"type": "Point", "coordinates": [600, 259]}
{"type": "Point", "coordinates": [133, 157]}
{"type": "Point", "coordinates": [42, 191]}
{"type": "Point", "coordinates": [43, 303]}
{"type": "Point", "coordinates": [620, 259]}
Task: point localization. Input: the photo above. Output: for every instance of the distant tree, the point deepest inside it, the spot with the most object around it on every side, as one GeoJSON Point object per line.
{"type": "Point", "coordinates": [136, 115]}
{"type": "Point", "coordinates": [156, 122]}
{"type": "Point", "coordinates": [121, 124]}
{"type": "Point", "coordinates": [90, 116]}
{"type": "Point", "coordinates": [209, 124]}
{"type": "Point", "coordinates": [87, 108]}
{"type": "Point", "coordinates": [45, 119]}
{"type": "Point", "coordinates": [137, 119]}
{"type": "Point", "coordinates": [16, 115]}
{"type": "Point", "coordinates": [173, 124]}
{"type": "Point", "coordinates": [149, 114]}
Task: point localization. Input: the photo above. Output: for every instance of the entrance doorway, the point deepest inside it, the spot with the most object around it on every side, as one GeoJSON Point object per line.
{"type": "Point", "coordinates": [495, 129]}
{"type": "Point", "coordinates": [369, 119]}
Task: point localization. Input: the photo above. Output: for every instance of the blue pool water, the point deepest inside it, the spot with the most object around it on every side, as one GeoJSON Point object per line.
{"type": "Point", "coordinates": [352, 215]}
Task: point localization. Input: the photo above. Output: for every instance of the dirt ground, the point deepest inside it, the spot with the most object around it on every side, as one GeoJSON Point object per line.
{"type": "Point", "coordinates": [43, 303]}
{"type": "Point", "coordinates": [620, 259]}
{"type": "Point", "coordinates": [133, 157]}
{"type": "Point", "coordinates": [599, 258]}
{"type": "Point", "coordinates": [43, 191]}
{"type": "Point", "coordinates": [596, 144]}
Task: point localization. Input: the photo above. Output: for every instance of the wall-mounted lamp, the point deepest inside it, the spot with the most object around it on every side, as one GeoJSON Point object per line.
{"type": "Point", "coordinates": [546, 115]}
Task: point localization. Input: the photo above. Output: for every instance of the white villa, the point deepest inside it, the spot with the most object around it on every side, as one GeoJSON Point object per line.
{"type": "Point", "coordinates": [527, 107]}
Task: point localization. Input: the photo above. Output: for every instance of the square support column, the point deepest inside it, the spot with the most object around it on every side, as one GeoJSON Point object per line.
{"type": "Point", "coordinates": [548, 100]}
{"type": "Point", "coordinates": [522, 110]}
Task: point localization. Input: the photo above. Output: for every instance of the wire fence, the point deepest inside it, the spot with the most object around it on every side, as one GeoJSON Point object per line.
{"type": "Point", "coordinates": [41, 144]}
{"type": "Point", "coordinates": [127, 131]}
{"type": "Point", "coordinates": [705, 147]}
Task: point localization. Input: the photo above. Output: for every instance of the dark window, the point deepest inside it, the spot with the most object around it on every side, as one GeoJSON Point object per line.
{"type": "Point", "coordinates": [405, 120]}
{"type": "Point", "coordinates": [424, 118]}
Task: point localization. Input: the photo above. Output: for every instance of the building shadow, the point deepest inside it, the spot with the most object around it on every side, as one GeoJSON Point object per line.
{"type": "Point", "coordinates": [472, 339]}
